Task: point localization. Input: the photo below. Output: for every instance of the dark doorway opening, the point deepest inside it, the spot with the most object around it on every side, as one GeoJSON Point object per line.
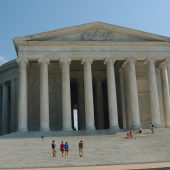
{"type": "Point", "coordinates": [74, 103]}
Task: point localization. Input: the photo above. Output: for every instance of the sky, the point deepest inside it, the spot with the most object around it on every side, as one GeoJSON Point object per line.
{"type": "Point", "coordinates": [26, 17]}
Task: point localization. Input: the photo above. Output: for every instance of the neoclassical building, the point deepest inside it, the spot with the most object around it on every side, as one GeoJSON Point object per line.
{"type": "Point", "coordinates": [114, 77]}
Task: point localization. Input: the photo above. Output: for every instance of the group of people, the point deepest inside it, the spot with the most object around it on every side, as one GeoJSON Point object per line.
{"type": "Point", "coordinates": [140, 131]}
{"type": "Point", "coordinates": [64, 148]}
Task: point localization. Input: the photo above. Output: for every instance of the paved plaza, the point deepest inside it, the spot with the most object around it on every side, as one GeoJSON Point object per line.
{"type": "Point", "coordinates": [29, 151]}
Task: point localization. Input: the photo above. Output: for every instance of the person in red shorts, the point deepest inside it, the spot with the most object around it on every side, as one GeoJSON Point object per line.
{"type": "Point", "coordinates": [62, 148]}
{"type": "Point", "coordinates": [129, 134]}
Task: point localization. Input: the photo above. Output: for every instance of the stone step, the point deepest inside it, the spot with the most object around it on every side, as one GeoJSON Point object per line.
{"type": "Point", "coordinates": [60, 133]}
{"type": "Point", "coordinates": [18, 151]}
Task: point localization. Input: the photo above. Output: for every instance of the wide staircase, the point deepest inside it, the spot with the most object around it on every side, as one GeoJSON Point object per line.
{"type": "Point", "coordinates": [24, 150]}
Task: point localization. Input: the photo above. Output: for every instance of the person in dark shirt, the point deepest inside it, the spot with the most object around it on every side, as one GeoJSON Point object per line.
{"type": "Point", "coordinates": [53, 145]}
{"type": "Point", "coordinates": [140, 131]}
{"type": "Point", "coordinates": [152, 128]}
{"type": "Point", "coordinates": [80, 146]}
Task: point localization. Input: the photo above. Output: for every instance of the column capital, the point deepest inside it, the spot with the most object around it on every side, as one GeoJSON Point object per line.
{"type": "Point", "coordinates": [65, 60]}
{"type": "Point", "coordinates": [43, 60]}
{"type": "Point", "coordinates": [87, 60]}
{"type": "Point", "coordinates": [131, 60]}
{"type": "Point", "coordinates": [162, 65]}
{"type": "Point", "coordinates": [22, 60]}
{"type": "Point", "coordinates": [167, 60]}
{"type": "Point", "coordinates": [150, 60]}
{"type": "Point", "coordinates": [127, 61]}
{"type": "Point", "coordinates": [108, 60]}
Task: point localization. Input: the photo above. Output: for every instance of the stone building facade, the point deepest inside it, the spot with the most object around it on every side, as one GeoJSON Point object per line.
{"type": "Point", "coordinates": [116, 78]}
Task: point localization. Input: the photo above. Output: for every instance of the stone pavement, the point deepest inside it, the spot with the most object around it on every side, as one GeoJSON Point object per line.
{"type": "Point", "coordinates": [29, 151]}
{"type": "Point", "coordinates": [148, 166]}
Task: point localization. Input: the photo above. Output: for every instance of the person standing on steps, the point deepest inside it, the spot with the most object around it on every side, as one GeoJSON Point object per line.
{"type": "Point", "coordinates": [152, 128]}
{"type": "Point", "coordinates": [80, 148]}
{"type": "Point", "coordinates": [62, 148]}
{"type": "Point", "coordinates": [66, 149]}
{"type": "Point", "coordinates": [53, 145]}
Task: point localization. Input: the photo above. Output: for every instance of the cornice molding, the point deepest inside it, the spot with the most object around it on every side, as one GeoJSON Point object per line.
{"type": "Point", "coordinates": [90, 43]}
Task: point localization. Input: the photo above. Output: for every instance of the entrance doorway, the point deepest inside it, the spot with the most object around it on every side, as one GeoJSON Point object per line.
{"type": "Point", "coordinates": [74, 110]}
{"type": "Point", "coordinates": [75, 119]}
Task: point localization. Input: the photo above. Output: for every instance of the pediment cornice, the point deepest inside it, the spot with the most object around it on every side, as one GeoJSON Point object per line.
{"type": "Point", "coordinates": [89, 43]}
{"type": "Point", "coordinates": [97, 31]}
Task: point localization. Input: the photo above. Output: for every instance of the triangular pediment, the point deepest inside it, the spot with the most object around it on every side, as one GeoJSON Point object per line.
{"type": "Point", "coordinates": [97, 31]}
{"type": "Point", "coordinates": [97, 34]}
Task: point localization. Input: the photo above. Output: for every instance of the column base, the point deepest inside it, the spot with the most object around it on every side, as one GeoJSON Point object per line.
{"type": "Point", "coordinates": [114, 128]}
{"type": "Point", "coordinates": [45, 129]}
{"type": "Point", "coordinates": [167, 126]}
{"type": "Point", "coordinates": [3, 132]}
{"type": "Point", "coordinates": [90, 128]}
{"type": "Point", "coordinates": [67, 129]}
{"type": "Point", "coordinates": [22, 130]}
{"type": "Point", "coordinates": [135, 126]}
{"type": "Point", "coordinates": [158, 125]}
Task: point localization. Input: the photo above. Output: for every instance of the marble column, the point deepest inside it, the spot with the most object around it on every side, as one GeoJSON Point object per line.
{"type": "Point", "coordinates": [88, 91]}
{"type": "Point", "coordinates": [168, 71]}
{"type": "Point", "coordinates": [44, 95]}
{"type": "Point", "coordinates": [13, 106]}
{"type": "Point", "coordinates": [5, 109]}
{"type": "Point", "coordinates": [127, 95]}
{"type": "Point", "coordinates": [1, 94]}
{"type": "Point", "coordinates": [154, 100]}
{"type": "Point", "coordinates": [122, 90]}
{"type": "Point", "coordinates": [112, 99]}
{"type": "Point", "coordinates": [66, 98]}
{"type": "Point", "coordinates": [165, 93]}
{"type": "Point", "coordinates": [134, 104]}
{"type": "Point", "coordinates": [22, 95]}
{"type": "Point", "coordinates": [99, 105]}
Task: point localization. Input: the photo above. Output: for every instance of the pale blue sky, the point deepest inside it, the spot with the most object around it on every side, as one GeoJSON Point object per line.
{"type": "Point", "coordinates": [26, 17]}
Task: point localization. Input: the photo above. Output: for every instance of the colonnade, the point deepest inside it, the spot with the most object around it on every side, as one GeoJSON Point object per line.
{"type": "Point", "coordinates": [133, 103]}
{"type": "Point", "coordinates": [8, 108]}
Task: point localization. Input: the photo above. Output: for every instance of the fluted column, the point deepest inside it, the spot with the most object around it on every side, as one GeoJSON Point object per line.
{"type": "Point", "coordinates": [44, 95]}
{"type": "Point", "coordinates": [13, 106]}
{"type": "Point", "coordinates": [134, 104]}
{"type": "Point", "coordinates": [5, 109]}
{"type": "Point", "coordinates": [154, 100]}
{"type": "Point", "coordinates": [168, 71]}
{"type": "Point", "coordinates": [1, 99]}
{"type": "Point", "coordinates": [165, 93]}
{"type": "Point", "coordinates": [127, 95]}
{"type": "Point", "coordinates": [122, 90]}
{"type": "Point", "coordinates": [22, 95]}
{"type": "Point", "coordinates": [66, 98]}
{"type": "Point", "coordinates": [112, 100]}
{"type": "Point", "coordinates": [88, 91]}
